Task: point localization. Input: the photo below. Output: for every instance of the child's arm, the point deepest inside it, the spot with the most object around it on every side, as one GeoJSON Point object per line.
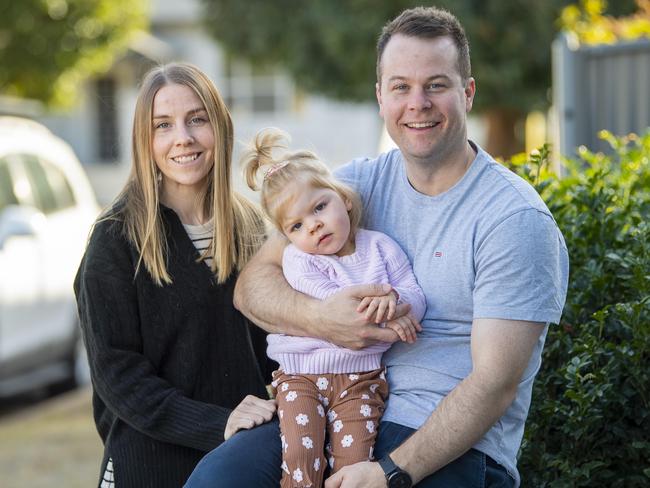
{"type": "Point", "coordinates": [306, 274]}
{"type": "Point", "coordinates": [402, 278]}
{"type": "Point", "coordinates": [263, 295]}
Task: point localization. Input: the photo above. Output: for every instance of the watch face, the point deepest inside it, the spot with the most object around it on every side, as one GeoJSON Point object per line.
{"type": "Point", "coordinates": [400, 479]}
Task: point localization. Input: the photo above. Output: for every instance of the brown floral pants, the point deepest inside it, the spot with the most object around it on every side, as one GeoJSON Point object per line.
{"type": "Point", "coordinates": [344, 408]}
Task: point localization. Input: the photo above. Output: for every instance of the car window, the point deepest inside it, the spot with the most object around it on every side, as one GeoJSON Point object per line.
{"type": "Point", "coordinates": [56, 187]}
{"type": "Point", "coordinates": [22, 185]}
{"type": "Point", "coordinates": [7, 196]}
{"type": "Point", "coordinates": [61, 186]}
{"type": "Point", "coordinates": [39, 183]}
{"type": "Point", "coordinates": [46, 200]}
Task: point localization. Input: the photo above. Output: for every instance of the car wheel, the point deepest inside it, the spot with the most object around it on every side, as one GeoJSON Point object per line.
{"type": "Point", "coordinates": [78, 370]}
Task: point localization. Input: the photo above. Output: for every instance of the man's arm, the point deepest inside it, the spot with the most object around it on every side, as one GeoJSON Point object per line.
{"type": "Point", "coordinates": [501, 350]}
{"type": "Point", "coordinates": [264, 296]}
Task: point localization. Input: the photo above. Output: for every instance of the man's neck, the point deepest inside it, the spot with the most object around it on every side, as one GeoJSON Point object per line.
{"type": "Point", "coordinates": [435, 177]}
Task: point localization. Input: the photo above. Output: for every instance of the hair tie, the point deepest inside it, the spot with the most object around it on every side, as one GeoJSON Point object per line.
{"type": "Point", "coordinates": [274, 168]}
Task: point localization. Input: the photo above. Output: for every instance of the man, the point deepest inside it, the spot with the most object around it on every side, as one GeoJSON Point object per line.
{"type": "Point", "coordinates": [487, 253]}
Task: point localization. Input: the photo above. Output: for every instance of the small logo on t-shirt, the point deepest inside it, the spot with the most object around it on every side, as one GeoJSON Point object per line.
{"type": "Point", "coordinates": [437, 254]}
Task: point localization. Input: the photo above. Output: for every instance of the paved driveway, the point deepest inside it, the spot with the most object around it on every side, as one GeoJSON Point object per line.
{"type": "Point", "coordinates": [50, 444]}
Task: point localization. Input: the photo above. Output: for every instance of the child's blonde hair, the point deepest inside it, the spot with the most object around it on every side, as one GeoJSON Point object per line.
{"type": "Point", "coordinates": [270, 153]}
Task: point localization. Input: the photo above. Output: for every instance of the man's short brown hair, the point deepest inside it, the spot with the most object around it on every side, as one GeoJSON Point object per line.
{"type": "Point", "coordinates": [427, 23]}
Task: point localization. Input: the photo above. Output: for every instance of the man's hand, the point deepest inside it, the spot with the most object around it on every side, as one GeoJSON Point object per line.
{"type": "Point", "coordinates": [340, 321]}
{"type": "Point", "coordinates": [362, 475]}
{"type": "Point", "coordinates": [382, 308]}
{"type": "Point", "coordinates": [406, 328]}
{"type": "Point", "coordinates": [250, 412]}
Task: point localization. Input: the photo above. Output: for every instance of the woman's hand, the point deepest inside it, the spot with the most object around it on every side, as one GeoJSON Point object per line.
{"type": "Point", "coordinates": [250, 412]}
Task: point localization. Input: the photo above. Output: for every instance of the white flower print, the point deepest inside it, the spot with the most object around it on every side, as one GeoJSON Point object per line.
{"type": "Point", "coordinates": [365, 410]}
{"type": "Point", "coordinates": [284, 467]}
{"type": "Point", "coordinates": [291, 396]}
{"type": "Point", "coordinates": [302, 419]}
{"type": "Point", "coordinates": [285, 446]}
{"type": "Point", "coordinates": [322, 383]}
{"type": "Point", "coordinates": [324, 400]}
{"type": "Point", "coordinates": [297, 475]}
{"type": "Point", "coordinates": [337, 426]}
{"type": "Point", "coordinates": [285, 386]}
{"type": "Point", "coordinates": [353, 377]}
{"type": "Point", "coordinates": [370, 425]}
{"type": "Point", "coordinates": [274, 383]}
{"type": "Point", "coordinates": [316, 464]}
{"type": "Point", "coordinates": [280, 413]}
{"type": "Point", "coordinates": [320, 410]}
{"type": "Point", "coordinates": [365, 397]}
{"type": "Point", "coordinates": [347, 440]}
{"type": "Point", "coordinates": [344, 393]}
{"type": "Point", "coordinates": [307, 442]}
{"type": "Point", "coordinates": [331, 461]}
{"type": "Point", "coordinates": [374, 387]}
{"type": "Point", "coordinates": [331, 415]}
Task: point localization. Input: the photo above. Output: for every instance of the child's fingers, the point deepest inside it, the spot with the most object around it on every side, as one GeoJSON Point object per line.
{"type": "Point", "coordinates": [372, 308]}
{"type": "Point", "coordinates": [381, 311]}
{"type": "Point", "coordinates": [391, 310]}
{"type": "Point", "coordinates": [412, 330]}
{"type": "Point", "coordinates": [364, 303]}
{"type": "Point", "coordinates": [400, 331]}
{"type": "Point", "coordinates": [405, 328]}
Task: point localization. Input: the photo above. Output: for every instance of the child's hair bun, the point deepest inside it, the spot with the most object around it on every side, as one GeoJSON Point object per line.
{"type": "Point", "coordinates": [269, 148]}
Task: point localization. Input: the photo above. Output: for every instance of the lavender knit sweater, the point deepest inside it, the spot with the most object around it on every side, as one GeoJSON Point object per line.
{"type": "Point", "coordinates": [377, 259]}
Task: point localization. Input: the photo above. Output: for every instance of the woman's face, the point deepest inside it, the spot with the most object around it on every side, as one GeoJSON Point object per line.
{"type": "Point", "coordinates": [183, 141]}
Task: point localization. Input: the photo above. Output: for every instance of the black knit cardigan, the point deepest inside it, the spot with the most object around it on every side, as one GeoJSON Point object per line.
{"type": "Point", "coordinates": [168, 363]}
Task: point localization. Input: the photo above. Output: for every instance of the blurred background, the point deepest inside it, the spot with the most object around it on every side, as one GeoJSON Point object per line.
{"type": "Point", "coordinates": [547, 71]}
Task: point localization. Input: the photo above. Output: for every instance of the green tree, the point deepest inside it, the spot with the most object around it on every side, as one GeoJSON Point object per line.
{"type": "Point", "coordinates": [328, 46]}
{"type": "Point", "coordinates": [48, 46]}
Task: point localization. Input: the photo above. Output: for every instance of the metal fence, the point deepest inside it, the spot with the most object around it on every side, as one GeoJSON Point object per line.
{"type": "Point", "coordinates": [600, 87]}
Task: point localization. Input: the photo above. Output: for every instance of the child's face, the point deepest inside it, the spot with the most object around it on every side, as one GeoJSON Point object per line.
{"type": "Point", "coordinates": [317, 221]}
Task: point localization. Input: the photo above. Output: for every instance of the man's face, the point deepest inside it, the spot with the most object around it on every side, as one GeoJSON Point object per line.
{"type": "Point", "coordinates": [423, 99]}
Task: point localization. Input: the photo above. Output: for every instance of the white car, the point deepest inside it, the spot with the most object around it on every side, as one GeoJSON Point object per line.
{"type": "Point", "coordinates": [47, 207]}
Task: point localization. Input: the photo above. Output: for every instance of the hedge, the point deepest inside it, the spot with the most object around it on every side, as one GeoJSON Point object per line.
{"type": "Point", "coordinates": [589, 421]}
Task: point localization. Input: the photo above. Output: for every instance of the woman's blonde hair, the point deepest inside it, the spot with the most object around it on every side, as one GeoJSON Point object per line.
{"type": "Point", "coordinates": [269, 159]}
{"type": "Point", "coordinates": [238, 225]}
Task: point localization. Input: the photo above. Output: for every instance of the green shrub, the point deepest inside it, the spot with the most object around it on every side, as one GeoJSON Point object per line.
{"type": "Point", "coordinates": [589, 422]}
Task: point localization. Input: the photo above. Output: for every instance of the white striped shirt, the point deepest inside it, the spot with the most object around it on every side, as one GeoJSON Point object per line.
{"type": "Point", "coordinates": [201, 235]}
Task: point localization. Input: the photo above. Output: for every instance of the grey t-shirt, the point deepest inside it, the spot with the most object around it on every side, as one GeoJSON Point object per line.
{"type": "Point", "coordinates": [486, 248]}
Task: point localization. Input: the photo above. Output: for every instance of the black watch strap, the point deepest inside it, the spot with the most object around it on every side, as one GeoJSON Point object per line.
{"type": "Point", "coordinates": [387, 465]}
{"type": "Point", "coordinates": [396, 477]}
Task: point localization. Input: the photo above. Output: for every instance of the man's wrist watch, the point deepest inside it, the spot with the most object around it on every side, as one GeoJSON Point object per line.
{"type": "Point", "coordinates": [396, 477]}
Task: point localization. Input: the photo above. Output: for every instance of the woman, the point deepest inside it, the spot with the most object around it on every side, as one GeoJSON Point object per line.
{"type": "Point", "coordinates": [169, 354]}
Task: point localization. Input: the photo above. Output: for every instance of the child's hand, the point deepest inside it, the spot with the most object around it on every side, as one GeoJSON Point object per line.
{"type": "Point", "coordinates": [405, 327]}
{"type": "Point", "coordinates": [383, 307]}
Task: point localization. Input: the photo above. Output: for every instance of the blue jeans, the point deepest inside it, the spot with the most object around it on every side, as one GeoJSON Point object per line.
{"type": "Point", "coordinates": [252, 458]}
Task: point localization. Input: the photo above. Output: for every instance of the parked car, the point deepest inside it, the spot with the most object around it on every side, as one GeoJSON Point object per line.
{"type": "Point", "coordinates": [47, 207]}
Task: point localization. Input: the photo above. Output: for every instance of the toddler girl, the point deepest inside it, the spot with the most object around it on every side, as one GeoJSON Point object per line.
{"type": "Point", "coordinates": [320, 387]}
